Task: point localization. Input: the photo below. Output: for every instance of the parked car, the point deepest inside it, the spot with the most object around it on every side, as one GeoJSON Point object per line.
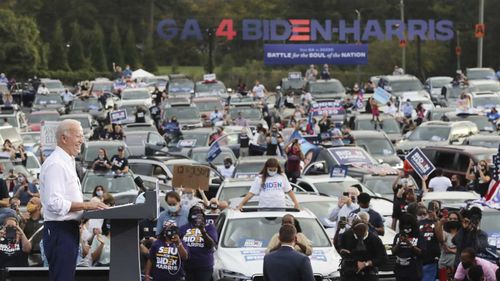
{"type": "Point", "coordinates": [379, 146]}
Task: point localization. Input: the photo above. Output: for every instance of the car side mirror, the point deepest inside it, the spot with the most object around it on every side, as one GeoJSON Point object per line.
{"type": "Point", "coordinates": [162, 178]}
{"type": "Point", "coordinates": [216, 181]}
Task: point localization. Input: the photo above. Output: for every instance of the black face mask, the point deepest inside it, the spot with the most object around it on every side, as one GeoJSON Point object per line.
{"type": "Point", "coordinates": [452, 225]}
{"type": "Point", "coordinates": [466, 265]}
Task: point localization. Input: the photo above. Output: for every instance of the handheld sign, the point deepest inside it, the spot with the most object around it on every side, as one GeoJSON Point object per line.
{"type": "Point", "coordinates": [381, 95]}
{"type": "Point", "coordinates": [294, 75]}
{"type": "Point", "coordinates": [186, 143]}
{"type": "Point", "coordinates": [213, 152]}
{"type": "Point", "coordinates": [209, 77]}
{"type": "Point", "coordinates": [191, 176]}
{"type": "Point", "coordinates": [118, 116]}
{"type": "Point", "coordinates": [338, 171]}
{"type": "Point", "coordinates": [420, 163]}
{"type": "Point", "coordinates": [48, 135]}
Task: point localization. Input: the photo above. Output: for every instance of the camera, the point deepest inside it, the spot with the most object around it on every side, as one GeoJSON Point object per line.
{"type": "Point", "coordinates": [198, 220]}
{"type": "Point", "coordinates": [171, 232]}
{"type": "Point", "coordinates": [10, 233]}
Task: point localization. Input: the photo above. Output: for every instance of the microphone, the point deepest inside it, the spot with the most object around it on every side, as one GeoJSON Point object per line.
{"type": "Point", "coordinates": [140, 183]}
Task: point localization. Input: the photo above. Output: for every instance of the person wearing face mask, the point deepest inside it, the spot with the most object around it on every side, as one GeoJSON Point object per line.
{"type": "Point", "coordinates": [216, 117]}
{"type": "Point", "coordinates": [200, 239]}
{"type": "Point", "coordinates": [468, 259]}
{"type": "Point", "coordinates": [447, 227]}
{"type": "Point", "coordinates": [228, 169]}
{"type": "Point", "coordinates": [427, 221]}
{"type": "Point", "coordinates": [362, 253]}
{"type": "Point", "coordinates": [376, 223]}
{"type": "Point", "coordinates": [480, 176]}
{"type": "Point", "coordinates": [273, 139]}
{"type": "Point", "coordinates": [33, 225]}
{"type": "Point", "coordinates": [456, 184]}
{"type": "Point", "coordinates": [271, 186]}
{"type": "Point", "coordinates": [294, 158]}
{"type": "Point", "coordinates": [470, 236]}
{"type": "Point", "coordinates": [24, 190]}
{"type": "Point", "coordinates": [407, 248]}
{"type": "Point", "coordinates": [101, 163]}
{"type": "Point", "coordinates": [98, 193]}
{"type": "Point", "coordinates": [173, 212]}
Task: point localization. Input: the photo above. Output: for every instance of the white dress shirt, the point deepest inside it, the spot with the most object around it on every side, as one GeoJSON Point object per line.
{"type": "Point", "coordinates": [59, 186]}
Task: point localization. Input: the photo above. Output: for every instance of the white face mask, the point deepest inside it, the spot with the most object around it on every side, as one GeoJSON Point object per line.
{"type": "Point", "coordinates": [364, 209]}
{"type": "Point", "coordinates": [99, 193]}
{"type": "Point", "coordinates": [271, 173]}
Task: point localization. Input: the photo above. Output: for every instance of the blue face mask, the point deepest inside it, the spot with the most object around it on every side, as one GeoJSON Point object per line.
{"type": "Point", "coordinates": [172, 209]}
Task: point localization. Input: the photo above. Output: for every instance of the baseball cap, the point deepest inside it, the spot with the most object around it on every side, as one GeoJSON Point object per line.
{"type": "Point", "coordinates": [121, 147]}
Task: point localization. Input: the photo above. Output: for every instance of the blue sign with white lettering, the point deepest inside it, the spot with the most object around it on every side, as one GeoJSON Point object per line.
{"type": "Point", "coordinates": [338, 171]}
{"type": "Point", "coordinates": [381, 95]}
{"type": "Point", "coordinates": [420, 163]}
{"type": "Point", "coordinates": [213, 152]}
{"type": "Point", "coordinates": [336, 54]}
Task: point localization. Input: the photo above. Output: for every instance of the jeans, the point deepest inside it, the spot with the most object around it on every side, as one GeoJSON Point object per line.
{"type": "Point", "coordinates": [429, 272]}
{"type": "Point", "coordinates": [202, 274]}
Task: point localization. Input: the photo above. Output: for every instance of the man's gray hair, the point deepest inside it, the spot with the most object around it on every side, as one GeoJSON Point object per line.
{"type": "Point", "coordinates": [364, 216]}
{"type": "Point", "coordinates": [65, 127]}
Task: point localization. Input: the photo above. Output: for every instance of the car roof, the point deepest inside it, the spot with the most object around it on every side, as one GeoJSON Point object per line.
{"type": "Point", "coordinates": [41, 112]}
{"type": "Point", "coordinates": [105, 143]}
{"type": "Point", "coordinates": [368, 134]}
{"type": "Point", "coordinates": [482, 82]}
{"type": "Point", "coordinates": [439, 77]}
{"type": "Point", "coordinates": [466, 148]}
{"type": "Point", "coordinates": [391, 78]}
{"type": "Point", "coordinates": [262, 158]}
{"type": "Point", "coordinates": [306, 198]}
{"type": "Point", "coordinates": [443, 123]}
{"type": "Point", "coordinates": [323, 81]}
{"type": "Point", "coordinates": [255, 212]}
{"type": "Point", "coordinates": [327, 178]}
{"type": "Point", "coordinates": [75, 115]}
{"type": "Point", "coordinates": [365, 116]}
{"type": "Point", "coordinates": [134, 90]}
{"type": "Point", "coordinates": [435, 195]}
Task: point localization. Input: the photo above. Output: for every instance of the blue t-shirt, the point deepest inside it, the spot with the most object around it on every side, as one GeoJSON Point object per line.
{"type": "Point", "coordinates": [180, 219]}
{"type": "Point", "coordinates": [200, 257]}
{"type": "Point", "coordinates": [24, 197]}
{"type": "Point", "coordinates": [166, 260]}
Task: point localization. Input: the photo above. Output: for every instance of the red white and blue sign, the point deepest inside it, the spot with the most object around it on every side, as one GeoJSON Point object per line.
{"type": "Point", "coordinates": [296, 54]}
{"type": "Point", "coordinates": [420, 163]}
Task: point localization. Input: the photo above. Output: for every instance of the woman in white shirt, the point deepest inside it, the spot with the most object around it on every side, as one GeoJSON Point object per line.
{"type": "Point", "coordinates": [271, 186]}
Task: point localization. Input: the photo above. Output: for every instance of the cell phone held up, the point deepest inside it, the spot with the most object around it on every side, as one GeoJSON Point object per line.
{"type": "Point", "coordinates": [10, 233]}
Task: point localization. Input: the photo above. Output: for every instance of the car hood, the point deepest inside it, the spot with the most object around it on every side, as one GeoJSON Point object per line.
{"type": "Point", "coordinates": [249, 261]}
{"type": "Point", "coordinates": [392, 160]}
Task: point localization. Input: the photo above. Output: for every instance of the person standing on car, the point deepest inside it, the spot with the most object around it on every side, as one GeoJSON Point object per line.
{"type": "Point", "coordinates": [228, 169]}
{"type": "Point", "coordinates": [362, 253]}
{"type": "Point", "coordinates": [271, 186]}
{"type": "Point", "coordinates": [407, 248]}
{"type": "Point", "coordinates": [200, 239]}
{"type": "Point", "coordinates": [286, 264]}
{"type": "Point", "coordinates": [140, 114]}
{"type": "Point", "coordinates": [119, 162]}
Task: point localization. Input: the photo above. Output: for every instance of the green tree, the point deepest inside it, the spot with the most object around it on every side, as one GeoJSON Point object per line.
{"type": "Point", "coordinates": [76, 58]}
{"type": "Point", "coordinates": [115, 52]}
{"type": "Point", "coordinates": [58, 59]}
{"type": "Point", "coordinates": [130, 49]}
{"type": "Point", "coordinates": [97, 53]}
{"type": "Point", "coordinates": [149, 60]}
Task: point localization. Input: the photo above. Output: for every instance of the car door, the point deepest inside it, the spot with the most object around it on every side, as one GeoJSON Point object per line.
{"type": "Point", "coordinates": [154, 143]}
{"type": "Point", "coordinates": [232, 141]}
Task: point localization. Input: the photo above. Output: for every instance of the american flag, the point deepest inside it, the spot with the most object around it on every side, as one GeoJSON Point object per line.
{"type": "Point", "coordinates": [360, 100]}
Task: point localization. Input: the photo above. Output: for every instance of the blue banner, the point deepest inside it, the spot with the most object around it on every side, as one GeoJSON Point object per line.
{"type": "Point", "coordinates": [419, 162]}
{"type": "Point", "coordinates": [381, 95]}
{"type": "Point", "coordinates": [213, 152]}
{"type": "Point", "coordinates": [335, 54]}
{"type": "Point", "coordinates": [338, 171]}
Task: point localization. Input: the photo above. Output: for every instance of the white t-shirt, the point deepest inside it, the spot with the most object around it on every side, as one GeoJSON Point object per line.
{"type": "Point", "coordinates": [259, 90]}
{"type": "Point", "coordinates": [272, 193]}
{"type": "Point", "coordinates": [105, 256]}
{"type": "Point", "coordinates": [227, 173]}
{"type": "Point", "coordinates": [439, 183]}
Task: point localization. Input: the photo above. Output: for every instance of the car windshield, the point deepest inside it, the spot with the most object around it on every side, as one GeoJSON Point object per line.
{"type": "Point", "coordinates": [481, 122]}
{"type": "Point", "coordinates": [53, 85]}
{"type": "Point", "coordinates": [108, 87]}
{"type": "Point", "coordinates": [493, 87]}
{"type": "Point", "coordinates": [382, 185]}
{"type": "Point", "coordinates": [390, 125]}
{"type": "Point", "coordinates": [208, 105]}
{"type": "Point", "coordinates": [11, 120]}
{"type": "Point", "coordinates": [293, 84]}
{"type": "Point", "coordinates": [440, 82]}
{"type": "Point", "coordinates": [87, 104]}
{"type": "Point", "coordinates": [37, 118]}
{"type": "Point", "coordinates": [135, 95]}
{"type": "Point", "coordinates": [228, 193]}
{"type": "Point", "coordinates": [48, 99]}
{"type": "Point", "coordinates": [112, 183]}
{"type": "Point", "coordinates": [200, 139]}
{"type": "Point", "coordinates": [217, 87]}
{"type": "Point", "coordinates": [257, 232]}
{"type": "Point", "coordinates": [486, 101]}
{"type": "Point", "coordinates": [180, 86]}
{"type": "Point", "coordinates": [429, 133]}
{"type": "Point", "coordinates": [135, 139]}
{"type": "Point", "coordinates": [379, 147]}
{"type": "Point", "coordinates": [320, 209]}
{"type": "Point", "coordinates": [241, 99]}
{"type": "Point", "coordinates": [326, 87]}
{"type": "Point", "coordinates": [30, 138]}
{"type": "Point", "coordinates": [490, 143]}
{"type": "Point", "coordinates": [31, 163]}
{"type": "Point", "coordinates": [92, 151]}
{"type": "Point", "coordinates": [182, 113]}
{"type": "Point", "coordinates": [406, 85]}
{"type": "Point", "coordinates": [247, 113]}
{"type": "Point", "coordinates": [201, 156]}
{"type": "Point", "coordinates": [336, 188]}
{"type": "Point", "coordinates": [490, 222]}
{"type": "Point", "coordinates": [479, 74]}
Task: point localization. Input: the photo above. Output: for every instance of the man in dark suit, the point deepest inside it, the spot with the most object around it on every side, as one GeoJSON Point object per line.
{"type": "Point", "coordinates": [286, 264]}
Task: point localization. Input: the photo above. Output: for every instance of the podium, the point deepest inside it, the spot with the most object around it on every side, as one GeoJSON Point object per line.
{"type": "Point", "coordinates": [125, 258]}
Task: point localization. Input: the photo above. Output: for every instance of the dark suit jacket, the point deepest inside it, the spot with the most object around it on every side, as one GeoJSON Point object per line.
{"type": "Point", "coordinates": [285, 264]}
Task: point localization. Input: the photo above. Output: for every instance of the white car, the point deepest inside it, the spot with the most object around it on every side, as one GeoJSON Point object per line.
{"type": "Point", "coordinates": [334, 187]}
{"type": "Point", "coordinates": [137, 94]}
{"type": "Point", "coordinates": [244, 237]}
{"type": "Point", "coordinates": [455, 199]}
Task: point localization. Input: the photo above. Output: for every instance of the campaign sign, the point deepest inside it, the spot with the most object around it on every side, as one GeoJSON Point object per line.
{"type": "Point", "coordinates": [294, 75]}
{"type": "Point", "coordinates": [294, 54]}
{"type": "Point", "coordinates": [419, 162]}
{"type": "Point", "coordinates": [333, 108]}
{"type": "Point", "coordinates": [209, 77]}
{"type": "Point", "coordinates": [118, 116]}
{"type": "Point", "coordinates": [338, 171]}
{"type": "Point", "coordinates": [350, 155]}
{"type": "Point", "coordinates": [213, 152]}
{"type": "Point", "coordinates": [381, 95]}
{"type": "Point", "coordinates": [48, 139]}
{"type": "Point", "coordinates": [186, 143]}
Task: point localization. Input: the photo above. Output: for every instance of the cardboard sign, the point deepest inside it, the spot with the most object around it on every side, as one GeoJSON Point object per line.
{"type": "Point", "coordinates": [381, 95]}
{"type": "Point", "coordinates": [191, 176]}
{"type": "Point", "coordinates": [48, 135]}
{"type": "Point", "coordinates": [118, 116]}
{"type": "Point", "coordinates": [338, 171]}
{"type": "Point", "coordinates": [419, 162]}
